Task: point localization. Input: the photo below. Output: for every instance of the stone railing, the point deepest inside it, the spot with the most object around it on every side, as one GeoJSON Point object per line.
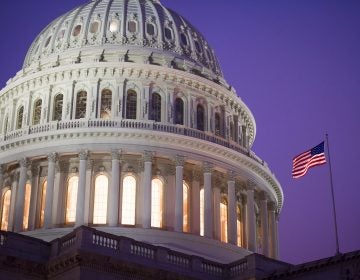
{"type": "Point", "coordinates": [19, 134]}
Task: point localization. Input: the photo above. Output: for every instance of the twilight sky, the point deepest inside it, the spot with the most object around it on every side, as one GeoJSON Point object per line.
{"type": "Point", "coordinates": [296, 64]}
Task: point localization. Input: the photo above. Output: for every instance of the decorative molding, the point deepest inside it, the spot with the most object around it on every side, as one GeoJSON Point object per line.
{"type": "Point", "coordinates": [52, 157]}
{"type": "Point", "coordinates": [115, 154]}
{"type": "Point", "coordinates": [148, 156]}
{"type": "Point", "coordinates": [179, 160]}
{"type": "Point", "coordinates": [24, 162]}
{"type": "Point", "coordinates": [83, 155]}
{"type": "Point", "coordinates": [208, 167]}
{"type": "Point", "coordinates": [231, 176]}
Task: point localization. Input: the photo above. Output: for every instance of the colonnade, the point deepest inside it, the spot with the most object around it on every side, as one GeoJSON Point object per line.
{"type": "Point", "coordinates": [258, 212]}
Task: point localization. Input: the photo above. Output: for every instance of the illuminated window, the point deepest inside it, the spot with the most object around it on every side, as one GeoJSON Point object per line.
{"type": "Point", "coordinates": [155, 109]}
{"type": "Point", "coordinates": [71, 199]}
{"type": "Point", "coordinates": [239, 227]}
{"type": "Point", "coordinates": [132, 26]}
{"type": "Point", "coordinates": [217, 124]}
{"type": "Point", "coordinates": [100, 199]}
{"type": "Point", "coordinates": [202, 212]}
{"type": "Point", "coordinates": [186, 204]}
{"type": "Point", "coordinates": [76, 30]}
{"type": "Point", "coordinates": [94, 27]}
{"type": "Point", "coordinates": [114, 26]}
{"type": "Point", "coordinates": [128, 201]}
{"type": "Point", "coordinates": [27, 206]}
{"type": "Point", "coordinates": [5, 211]}
{"type": "Point", "coordinates": [106, 100]}
{"type": "Point", "coordinates": [179, 111]}
{"type": "Point", "coordinates": [20, 117]}
{"type": "Point", "coordinates": [223, 221]}
{"type": "Point", "coordinates": [81, 105]}
{"type": "Point", "coordinates": [58, 107]}
{"type": "Point", "coordinates": [156, 203]}
{"type": "Point", "coordinates": [42, 203]}
{"type": "Point", "coordinates": [37, 111]}
{"type": "Point", "coordinates": [131, 103]}
{"type": "Point", "coordinates": [200, 113]}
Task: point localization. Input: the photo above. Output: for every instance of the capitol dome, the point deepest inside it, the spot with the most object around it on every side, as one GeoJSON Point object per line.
{"type": "Point", "coordinates": [121, 120]}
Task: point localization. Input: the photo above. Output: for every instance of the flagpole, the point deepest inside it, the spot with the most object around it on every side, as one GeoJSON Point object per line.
{"type": "Point", "coordinates": [333, 198]}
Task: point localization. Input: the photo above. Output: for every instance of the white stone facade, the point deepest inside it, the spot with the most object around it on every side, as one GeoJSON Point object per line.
{"type": "Point", "coordinates": [134, 105]}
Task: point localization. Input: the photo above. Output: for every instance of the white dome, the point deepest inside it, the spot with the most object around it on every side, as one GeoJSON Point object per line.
{"type": "Point", "coordinates": [135, 30]}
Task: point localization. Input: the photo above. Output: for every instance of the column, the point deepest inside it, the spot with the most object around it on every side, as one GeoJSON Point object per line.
{"type": "Point", "coordinates": [232, 209]}
{"type": "Point", "coordinates": [14, 187]}
{"type": "Point", "coordinates": [272, 229]}
{"type": "Point", "coordinates": [146, 214]}
{"type": "Point", "coordinates": [244, 220]}
{"type": "Point", "coordinates": [34, 196]}
{"type": "Point", "coordinates": [179, 212]}
{"type": "Point", "coordinates": [113, 208]}
{"type": "Point", "coordinates": [89, 170]}
{"type": "Point", "coordinates": [208, 201]}
{"type": "Point", "coordinates": [277, 236]}
{"type": "Point", "coordinates": [80, 202]}
{"type": "Point", "coordinates": [264, 224]}
{"type": "Point", "coordinates": [50, 191]}
{"type": "Point", "coordinates": [217, 222]}
{"type": "Point", "coordinates": [195, 202]}
{"type": "Point", "coordinates": [250, 221]}
{"type": "Point", "coordinates": [1, 176]}
{"type": "Point", "coordinates": [20, 197]}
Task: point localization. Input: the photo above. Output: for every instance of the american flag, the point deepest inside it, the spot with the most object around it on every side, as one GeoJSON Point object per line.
{"type": "Point", "coordinates": [310, 158]}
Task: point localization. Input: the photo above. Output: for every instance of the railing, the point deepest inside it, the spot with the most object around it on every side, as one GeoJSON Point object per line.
{"type": "Point", "coordinates": [104, 241]}
{"type": "Point", "coordinates": [68, 242]}
{"type": "Point", "coordinates": [2, 239]}
{"type": "Point", "coordinates": [179, 260]}
{"type": "Point", "coordinates": [128, 124]}
{"type": "Point", "coordinates": [142, 250]}
{"type": "Point", "coordinates": [238, 267]}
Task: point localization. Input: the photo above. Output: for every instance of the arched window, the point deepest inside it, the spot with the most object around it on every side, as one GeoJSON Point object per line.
{"type": "Point", "coordinates": [223, 221]}
{"type": "Point", "coordinates": [81, 100]}
{"type": "Point", "coordinates": [179, 111]}
{"type": "Point", "coordinates": [202, 212]}
{"type": "Point", "coordinates": [217, 124]}
{"type": "Point", "coordinates": [186, 206]}
{"type": "Point", "coordinates": [58, 107]}
{"type": "Point", "coordinates": [156, 203]}
{"type": "Point", "coordinates": [27, 206]}
{"type": "Point", "coordinates": [155, 110]}
{"type": "Point", "coordinates": [239, 226]}
{"type": "Point", "coordinates": [200, 114]}
{"type": "Point", "coordinates": [5, 211]}
{"type": "Point", "coordinates": [100, 199]}
{"type": "Point", "coordinates": [71, 199]}
{"type": "Point", "coordinates": [128, 201]}
{"type": "Point", "coordinates": [232, 131]}
{"type": "Point", "coordinates": [37, 111]}
{"type": "Point", "coordinates": [20, 118]}
{"type": "Point", "coordinates": [42, 203]}
{"type": "Point", "coordinates": [131, 104]}
{"type": "Point", "coordinates": [106, 102]}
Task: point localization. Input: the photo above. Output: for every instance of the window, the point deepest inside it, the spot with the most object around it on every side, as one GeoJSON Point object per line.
{"type": "Point", "coordinates": [71, 199]}
{"type": "Point", "coordinates": [81, 100]}
{"type": "Point", "coordinates": [20, 117]}
{"type": "Point", "coordinates": [197, 46]}
{"type": "Point", "coordinates": [131, 103]}
{"type": "Point", "coordinates": [168, 33]}
{"type": "Point", "coordinates": [94, 27]}
{"type": "Point", "coordinates": [132, 26]}
{"type": "Point", "coordinates": [61, 34]}
{"type": "Point", "coordinates": [186, 204]}
{"type": "Point", "coordinates": [202, 212]}
{"type": "Point", "coordinates": [128, 201]}
{"type": "Point", "coordinates": [37, 111]}
{"type": "Point", "coordinates": [150, 28]}
{"type": "Point", "coordinates": [184, 39]}
{"type": "Point", "coordinates": [239, 227]}
{"type": "Point", "coordinates": [58, 107]}
{"type": "Point", "coordinates": [223, 221]}
{"type": "Point", "coordinates": [106, 100]}
{"type": "Point", "coordinates": [27, 206]}
{"type": "Point", "coordinates": [156, 203]}
{"type": "Point", "coordinates": [217, 124]}
{"type": "Point", "coordinates": [114, 25]}
{"type": "Point", "coordinates": [232, 131]}
{"type": "Point", "coordinates": [48, 41]}
{"type": "Point", "coordinates": [5, 211]}
{"type": "Point", "coordinates": [76, 30]}
{"type": "Point", "coordinates": [200, 113]}
{"type": "Point", "coordinates": [42, 203]}
{"type": "Point", "coordinates": [179, 111]}
{"type": "Point", "coordinates": [100, 199]}
{"type": "Point", "coordinates": [155, 110]}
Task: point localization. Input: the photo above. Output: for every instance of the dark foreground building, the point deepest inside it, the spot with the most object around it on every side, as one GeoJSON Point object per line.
{"type": "Point", "coordinates": [88, 254]}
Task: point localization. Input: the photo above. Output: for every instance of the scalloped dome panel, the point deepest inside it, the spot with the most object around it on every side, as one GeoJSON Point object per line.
{"type": "Point", "coordinates": [142, 26]}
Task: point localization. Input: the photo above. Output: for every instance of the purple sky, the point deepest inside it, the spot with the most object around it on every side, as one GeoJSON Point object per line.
{"type": "Point", "coordinates": [296, 64]}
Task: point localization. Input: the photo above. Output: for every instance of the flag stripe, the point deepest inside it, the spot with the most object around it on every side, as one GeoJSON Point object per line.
{"type": "Point", "coordinates": [304, 161]}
